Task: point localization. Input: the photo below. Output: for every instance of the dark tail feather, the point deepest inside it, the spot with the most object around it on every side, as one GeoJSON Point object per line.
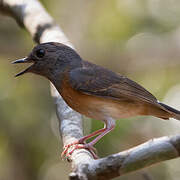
{"type": "Point", "coordinates": [173, 112]}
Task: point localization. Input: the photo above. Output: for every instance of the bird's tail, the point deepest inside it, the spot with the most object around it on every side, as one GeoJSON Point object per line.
{"type": "Point", "coordinates": [172, 113]}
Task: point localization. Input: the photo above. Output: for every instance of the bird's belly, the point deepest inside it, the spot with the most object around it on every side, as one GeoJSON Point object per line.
{"type": "Point", "coordinates": [100, 108]}
{"type": "Point", "coordinates": [119, 110]}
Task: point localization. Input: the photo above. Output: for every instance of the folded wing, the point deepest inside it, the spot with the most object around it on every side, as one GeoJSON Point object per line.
{"type": "Point", "coordinates": [95, 80]}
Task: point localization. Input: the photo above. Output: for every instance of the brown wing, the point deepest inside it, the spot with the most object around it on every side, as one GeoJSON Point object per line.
{"type": "Point", "coordinates": [98, 81]}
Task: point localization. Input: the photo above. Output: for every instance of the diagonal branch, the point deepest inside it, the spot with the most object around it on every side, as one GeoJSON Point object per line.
{"type": "Point", "coordinates": [32, 16]}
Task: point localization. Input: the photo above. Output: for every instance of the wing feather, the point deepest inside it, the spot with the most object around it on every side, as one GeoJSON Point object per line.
{"type": "Point", "coordinates": [98, 81]}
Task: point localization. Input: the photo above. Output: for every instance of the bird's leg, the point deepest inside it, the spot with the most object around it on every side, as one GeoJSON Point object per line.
{"type": "Point", "coordinates": [109, 125]}
{"type": "Point", "coordinates": [81, 141]}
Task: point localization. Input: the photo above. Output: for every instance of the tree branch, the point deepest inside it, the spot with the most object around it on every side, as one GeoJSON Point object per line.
{"type": "Point", "coordinates": [31, 15]}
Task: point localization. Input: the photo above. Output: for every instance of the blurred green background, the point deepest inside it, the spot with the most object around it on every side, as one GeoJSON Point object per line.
{"type": "Point", "coordinates": [137, 38]}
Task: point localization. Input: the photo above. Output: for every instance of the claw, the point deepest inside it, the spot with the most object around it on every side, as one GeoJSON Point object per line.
{"type": "Point", "coordinates": [91, 149]}
{"type": "Point", "coordinates": [66, 147]}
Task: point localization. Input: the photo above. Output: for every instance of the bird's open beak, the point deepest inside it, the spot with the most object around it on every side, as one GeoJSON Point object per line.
{"type": "Point", "coordinates": [24, 60]}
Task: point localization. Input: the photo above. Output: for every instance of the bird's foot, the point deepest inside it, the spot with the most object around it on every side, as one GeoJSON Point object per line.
{"type": "Point", "coordinates": [89, 147]}
{"type": "Point", "coordinates": [66, 147]}
{"type": "Point", "coordinates": [77, 145]}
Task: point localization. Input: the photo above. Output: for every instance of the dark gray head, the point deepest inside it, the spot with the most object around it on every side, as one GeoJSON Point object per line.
{"type": "Point", "coordinates": [50, 58]}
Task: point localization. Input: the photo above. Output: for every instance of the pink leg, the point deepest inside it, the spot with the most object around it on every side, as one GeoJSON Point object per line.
{"type": "Point", "coordinates": [106, 130]}
{"type": "Point", "coordinates": [109, 125]}
{"type": "Point", "coordinates": [81, 140]}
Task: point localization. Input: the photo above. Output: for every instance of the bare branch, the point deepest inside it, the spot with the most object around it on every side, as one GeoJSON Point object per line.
{"type": "Point", "coordinates": [144, 155]}
{"type": "Point", "coordinates": [31, 15]}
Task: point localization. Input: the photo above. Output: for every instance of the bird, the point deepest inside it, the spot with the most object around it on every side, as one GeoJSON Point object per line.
{"type": "Point", "coordinates": [92, 90]}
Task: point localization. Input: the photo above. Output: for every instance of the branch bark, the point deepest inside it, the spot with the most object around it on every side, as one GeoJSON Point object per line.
{"type": "Point", "coordinates": [31, 15]}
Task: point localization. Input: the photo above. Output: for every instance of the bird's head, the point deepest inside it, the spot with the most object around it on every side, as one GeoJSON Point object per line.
{"type": "Point", "coordinates": [49, 59]}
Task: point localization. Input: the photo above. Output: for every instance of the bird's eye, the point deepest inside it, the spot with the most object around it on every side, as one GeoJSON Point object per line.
{"type": "Point", "coordinates": [40, 53]}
